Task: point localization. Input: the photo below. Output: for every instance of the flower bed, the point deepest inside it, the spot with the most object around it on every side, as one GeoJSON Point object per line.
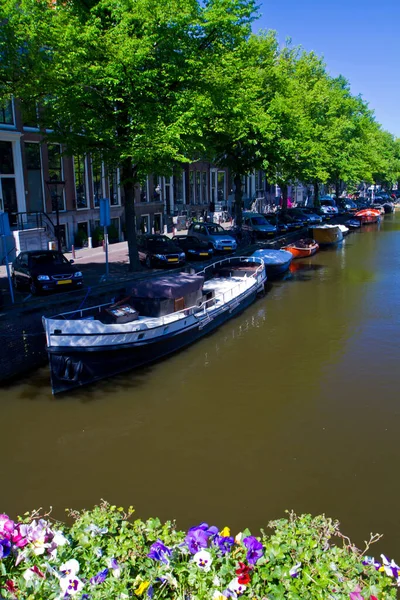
{"type": "Point", "coordinates": [105, 554]}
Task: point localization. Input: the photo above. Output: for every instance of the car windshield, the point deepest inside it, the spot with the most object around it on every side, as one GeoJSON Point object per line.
{"type": "Point", "coordinates": [259, 221]}
{"type": "Point", "coordinates": [215, 230]}
{"type": "Point", "coordinates": [47, 258]}
{"type": "Point", "coordinates": [159, 239]}
{"type": "Point", "coordinates": [327, 203]}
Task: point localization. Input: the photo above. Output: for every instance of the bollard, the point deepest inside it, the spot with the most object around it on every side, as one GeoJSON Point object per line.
{"type": "Point", "coordinates": [73, 252]}
{"type": "Point", "coordinates": [104, 245]}
{"type": "Point", "coordinates": [89, 242]}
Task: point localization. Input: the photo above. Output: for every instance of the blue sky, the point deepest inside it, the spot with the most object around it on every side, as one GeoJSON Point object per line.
{"type": "Point", "coordinates": [359, 39]}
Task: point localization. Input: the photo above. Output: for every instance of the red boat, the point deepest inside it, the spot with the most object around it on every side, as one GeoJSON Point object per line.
{"type": "Point", "coordinates": [368, 215]}
{"type": "Point", "coordinates": [302, 248]}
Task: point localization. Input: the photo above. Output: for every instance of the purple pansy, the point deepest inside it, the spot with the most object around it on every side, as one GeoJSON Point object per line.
{"type": "Point", "coordinates": [5, 548]}
{"type": "Point", "coordinates": [254, 549]}
{"type": "Point", "coordinates": [6, 526]}
{"type": "Point", "coordinates": [368, 560]}
{"type": "Point", "coordinates": [160, 552]}
{"type": "Point", "coordinates": [196, 539]}
{"type": "Point", "coordinates": [100, 577]}
{"type": "Point", "coordinates": [224, 544]}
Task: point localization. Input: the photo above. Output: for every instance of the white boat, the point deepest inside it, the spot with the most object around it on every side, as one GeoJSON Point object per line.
{"type": "Point", "coordinates": [160, 316]}
{"type": "Point", "coordinates": [276, 262]}
{"type": "Point", "coordinates": [345, 230]}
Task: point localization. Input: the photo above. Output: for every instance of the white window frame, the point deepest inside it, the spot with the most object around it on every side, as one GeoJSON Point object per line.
{"type": "Point", "coordinates": [102, 179]}
{"type": "Point", "coordinates": [18, 175]}
{"type": "Point", "coordinates": [42, 176]}
{"type": "Point", "coordinates": [9, 126]}
{"type": "Point", "coordinates": [87, 207]}
{"type": "Point", "coordinates": [62, 178]}
{"type": "Point", "coordinates": [118, 189]}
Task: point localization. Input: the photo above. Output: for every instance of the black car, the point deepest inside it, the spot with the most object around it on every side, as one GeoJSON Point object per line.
{"type": "Point", "coordinates": [45, 270]}
{"type": "Point", "coordinates": [309, 217]}
{"type": "Point", "coordinates": [159, 250]}
{"type": "Point", "coordinates": [293, 222]}
{"type": "Point", "coordinates": [273, 219]}
{"type": "Point", "coordinates": [193, 247]}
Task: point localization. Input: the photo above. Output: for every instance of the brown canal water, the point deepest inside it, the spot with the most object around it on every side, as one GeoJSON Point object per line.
{"type": "Point", "coordinates": [292, 405]}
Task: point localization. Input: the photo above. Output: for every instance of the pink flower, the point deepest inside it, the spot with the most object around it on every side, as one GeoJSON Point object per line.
{"type": "Point", "coordinates": [356, 594]}
{"type": "Point", "coordinates": [6, 526]}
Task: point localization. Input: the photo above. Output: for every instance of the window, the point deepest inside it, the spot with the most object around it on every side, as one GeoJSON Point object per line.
{"type": "Point", "coordinates": [198, 187]}
{"type": "Point", "coordinates": [179, 197]}
{"type": "Point", "coordinates": [80, 181]}
{"type": "Point", "coordinates": [34, 172]}
{"type": "Point", "coordinates": [6, 158]}
{"type": "Point", "coordinates": [55, 169]}
{"type": "Point", "coordinates": [156, 189]}
{"type": "Point", "coordinates": [144, 224]}
{"type": "Point", "coordinates": [221, 186]}
{"type": "Point", "coordinates": [114, 225]}
{"type": "Point", "coordinates": [143, 191]}
{"type": "Point", "coordinates": [204, 187]}
{"type": "Point", "coordinates": [97, 174]}
{"type": "Point", "coordinates": [6, 113]}
{"type": "Point", "coordinates": [191, 187]}
{"type": "Point", "coordinates": [113, 181]}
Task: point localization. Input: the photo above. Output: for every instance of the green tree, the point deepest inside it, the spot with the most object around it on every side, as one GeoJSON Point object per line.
{"type": "Point", "coordinates": [122, 78]}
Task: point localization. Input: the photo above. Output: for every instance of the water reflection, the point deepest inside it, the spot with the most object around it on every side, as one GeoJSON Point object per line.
{"type": "Point", "coordinates": [293, 404]}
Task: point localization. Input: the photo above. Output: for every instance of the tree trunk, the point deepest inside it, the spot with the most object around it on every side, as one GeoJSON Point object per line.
{"type": "Point", "coordinates": [316, 195]}
{"type": "Point", "coordinates": [337, 189]}
{"type": "Point", "coordinates": [284, 190]}
{"type": "Point", "coordinates": [127, 176]}
{"type": "Point", "coordinates": [238, 200]}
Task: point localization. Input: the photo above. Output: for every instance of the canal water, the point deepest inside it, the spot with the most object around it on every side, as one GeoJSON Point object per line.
{"type": "Point", "coordinates": [292, 405]}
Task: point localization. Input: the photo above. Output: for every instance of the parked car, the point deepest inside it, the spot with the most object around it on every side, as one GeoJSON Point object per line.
{"type": "Point", "coordinates": [293, 222]}
{"type": "Point", "coordinates": [214, 235]}
{"type": "Point", "coordinates": [273, 219]}
{"type": "Point", "coordinates": [193, 247]}
{"type": "Point", "coordinates": [329, 207]}
{"type": "Point", "coordinates": [309, 217]}
{"type": "Point", "coordinates": [159, 250]}
{"type": "Point", "coordinates": [45, 270]}
{"type": "Point", "coordinates": [258, 225]}
{"type": "Point", "coordinates": [348, 205]}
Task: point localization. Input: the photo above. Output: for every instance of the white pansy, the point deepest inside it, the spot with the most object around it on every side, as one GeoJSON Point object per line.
{"type": "Point", "coordinates": [216, 581]}
{"type": "Point", "coordinates": [59, 539]}
{"type": "Point", "coordinates": [236, 587]}
{"type": "Point", "coordinates": [203, 559]}
{"type": "Point", "coordinates": [71, 585]}
{"type": "Point", "coordinates": [71, 567]}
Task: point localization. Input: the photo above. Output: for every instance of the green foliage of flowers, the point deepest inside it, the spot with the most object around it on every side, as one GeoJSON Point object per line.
{"type": "Point", "coordinates": [107, 554]}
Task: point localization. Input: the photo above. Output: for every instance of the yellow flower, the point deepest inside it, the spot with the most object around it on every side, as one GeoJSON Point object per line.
{"type": "Point", "coordinates": [226, 532]}
{"type": "Point", "coordinates": [142, 588]}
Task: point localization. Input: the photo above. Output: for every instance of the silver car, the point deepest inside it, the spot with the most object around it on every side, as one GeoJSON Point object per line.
{"type": "Point", "coordinates": [215, 235]}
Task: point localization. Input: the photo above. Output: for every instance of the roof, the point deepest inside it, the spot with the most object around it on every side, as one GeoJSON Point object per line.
{"type": "Point", "coordinates": [168, 286]}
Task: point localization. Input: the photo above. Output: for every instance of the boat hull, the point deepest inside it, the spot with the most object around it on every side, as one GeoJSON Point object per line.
{"type": "Point", "coordinates": [368, 215]}
{"type": "Point", "coordinates": [328, 236]}
{"type": "Point", "coordinates": [72, 368]}
{"type": "Point", "coordinates": [301, 252]}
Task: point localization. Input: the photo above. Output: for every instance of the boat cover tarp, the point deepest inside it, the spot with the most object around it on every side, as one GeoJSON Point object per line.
{"type": "Point", "coordinates": [168, 286]}
{"type": "Point", "coordinates": [274, 257]}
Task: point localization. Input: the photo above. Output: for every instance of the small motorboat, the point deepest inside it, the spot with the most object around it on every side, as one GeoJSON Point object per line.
{"type": "Point", "coordinates": [345, 230]}
{"type": "Point", "coordinates": [327, 235]}
{"type": "Point", "coordinates": [368, 215]}
{"type": "Point", "coordinates": [353, 223]}
{"type": "Point", "coordinates": [302, 248]}
{"type": "Point", "coordinates": [276, 262]}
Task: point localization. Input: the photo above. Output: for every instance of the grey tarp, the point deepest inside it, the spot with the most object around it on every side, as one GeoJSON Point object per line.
{"type": "Point", "coordinates": [168, 286]}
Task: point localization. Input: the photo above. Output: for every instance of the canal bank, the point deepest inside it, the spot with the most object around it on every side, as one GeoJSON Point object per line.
{"type": "Point", "coordinates": [294, 404]}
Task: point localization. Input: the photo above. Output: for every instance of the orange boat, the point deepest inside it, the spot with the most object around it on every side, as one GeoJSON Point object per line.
{"type": "Point", "coordinates": [368, 215]}
{"type": "Point", "coordinates": [302, 248]}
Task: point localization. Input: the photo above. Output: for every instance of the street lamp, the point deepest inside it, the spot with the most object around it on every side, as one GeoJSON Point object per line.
{"type": "Point", "coordinates": [56, 189]}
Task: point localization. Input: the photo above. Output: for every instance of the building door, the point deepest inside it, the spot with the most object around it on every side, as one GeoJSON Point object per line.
{"type": "Point", "coordinates": [34, 171]}
{"type": "Point", "coordinates": [8, 194]}
{"type": "Point", "coordinates": [157, 222]}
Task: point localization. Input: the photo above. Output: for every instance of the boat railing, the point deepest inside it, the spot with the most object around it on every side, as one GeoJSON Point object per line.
{"type": "Point", "coordinates": [196, 310]}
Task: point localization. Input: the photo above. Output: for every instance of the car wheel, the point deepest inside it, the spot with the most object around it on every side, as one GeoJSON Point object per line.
{"type": "Point", "coordinates": [148, 262]}
{"type": "Point", "coordinates": [32, 288]}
